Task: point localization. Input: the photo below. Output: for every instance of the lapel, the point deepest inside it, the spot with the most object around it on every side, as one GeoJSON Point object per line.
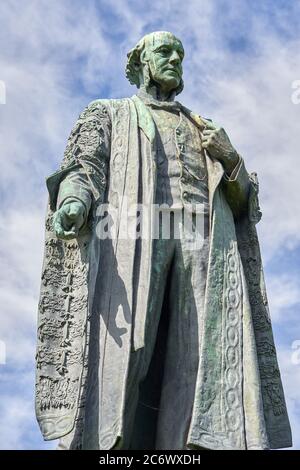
{"type": "Point", "coordinates": [145, 121]}
{"type": "Point", "coordinates": [194, 117]}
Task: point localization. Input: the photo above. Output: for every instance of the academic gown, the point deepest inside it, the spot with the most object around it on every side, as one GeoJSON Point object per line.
{"type": "Point", "coordinates": [94, 296]}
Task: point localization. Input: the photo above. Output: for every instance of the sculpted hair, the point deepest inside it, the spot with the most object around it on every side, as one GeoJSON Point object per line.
{"type": "Point", "coordinates": [134, 63]}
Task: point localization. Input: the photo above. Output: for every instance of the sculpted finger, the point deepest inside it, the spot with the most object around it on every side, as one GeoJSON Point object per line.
{"type": "Point", "coordinates": [208, 132]}
{"type": "Point", "coordinates": [73, 211]}
{"type": "Point", "coordinates": [69, 235]}
{"type": "Point", "coordinates": [60, 224]}
{"type": "Point", "coordinates": [206, 138]}
{"type": "Point", "coordinates": [66, 234]}
{"type": "Point", "coordinates": [60, 232]}
{"type": "Point", "coordinates": [209, 124]}
{"type": "Point", "coordinates": [67, 221]}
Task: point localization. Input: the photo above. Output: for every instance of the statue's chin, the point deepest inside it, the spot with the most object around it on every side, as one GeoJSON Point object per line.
{"type": "Point", "coordinates": [167, 86]}
{"type": "Point", "coordinates": [170, 83]}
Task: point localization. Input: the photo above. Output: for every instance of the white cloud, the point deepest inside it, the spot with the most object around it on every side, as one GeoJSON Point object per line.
{"type": "Point", "coordinates": [21, 252]}
{"type": "Point", "coordinates": [284, 294]}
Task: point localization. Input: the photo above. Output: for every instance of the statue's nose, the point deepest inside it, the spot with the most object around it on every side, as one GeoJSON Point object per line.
{"type": "Point", "coordinates": [175, 59]}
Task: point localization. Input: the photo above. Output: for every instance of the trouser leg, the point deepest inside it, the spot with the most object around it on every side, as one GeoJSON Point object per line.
{"type": "Point", "coordinates": [134, 425]}
{"type": "Point", "coordinates": [186, 306]}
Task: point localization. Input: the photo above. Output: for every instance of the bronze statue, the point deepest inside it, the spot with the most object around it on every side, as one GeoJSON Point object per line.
{"type": "Point", "coordinates": [149, 342]}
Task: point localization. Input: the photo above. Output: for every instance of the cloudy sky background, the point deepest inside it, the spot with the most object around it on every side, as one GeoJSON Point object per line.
{"type": "Point", "coordinates": [242, 58]}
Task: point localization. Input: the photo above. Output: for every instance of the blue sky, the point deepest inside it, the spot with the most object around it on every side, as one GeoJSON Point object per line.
{"type": "Point", "coordinates": [241, 60]}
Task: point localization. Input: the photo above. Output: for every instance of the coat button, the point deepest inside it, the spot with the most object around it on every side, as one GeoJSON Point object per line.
{"type": "Point", "coordinates": [185, 194]}
{"type": "Point", "coordinates": [178, 131]}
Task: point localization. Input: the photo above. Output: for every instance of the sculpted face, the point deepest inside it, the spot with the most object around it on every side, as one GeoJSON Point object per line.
{"type": "Point", "coordinates": [164, 54]}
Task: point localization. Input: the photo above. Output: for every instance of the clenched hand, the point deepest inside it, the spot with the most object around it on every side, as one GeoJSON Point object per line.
{"type": "Point", "coordinates": [217, 143]}
{"type": "Point", "coordinates": [69, 219]}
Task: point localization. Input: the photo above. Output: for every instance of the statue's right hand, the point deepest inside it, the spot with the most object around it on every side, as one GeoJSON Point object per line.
{"type": "Point", "coordinates": [69, 219]}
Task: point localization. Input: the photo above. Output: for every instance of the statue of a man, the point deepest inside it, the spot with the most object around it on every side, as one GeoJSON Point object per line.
{"type": "Point", "coordinates": [146, 342]}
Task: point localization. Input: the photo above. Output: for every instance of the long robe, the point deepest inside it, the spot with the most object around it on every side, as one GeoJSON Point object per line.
{"type": "Point", "coordinates": [94, 299]}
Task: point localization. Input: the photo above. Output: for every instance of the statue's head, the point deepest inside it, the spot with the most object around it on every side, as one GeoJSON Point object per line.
{"type": "Point", "coordinates": [156, 60]}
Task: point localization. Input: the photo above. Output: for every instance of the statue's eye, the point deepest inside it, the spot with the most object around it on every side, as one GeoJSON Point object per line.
{"type": "Point", "coordinates": [164, 50]}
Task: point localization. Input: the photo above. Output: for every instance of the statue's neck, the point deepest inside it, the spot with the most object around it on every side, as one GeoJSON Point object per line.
{"type": "Point", "coordinates": [155, 92]}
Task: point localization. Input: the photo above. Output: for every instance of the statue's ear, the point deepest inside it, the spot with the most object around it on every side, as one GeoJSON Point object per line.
{"type": "Point", "coordinates": [144, 57]}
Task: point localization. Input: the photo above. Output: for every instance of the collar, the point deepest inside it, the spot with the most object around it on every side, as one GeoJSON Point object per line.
{"type": "Point", "coordinates": [148, 100]}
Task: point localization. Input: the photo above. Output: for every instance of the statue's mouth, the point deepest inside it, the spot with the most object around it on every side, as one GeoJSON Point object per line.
{"type": "Point", "coordinates": [171, 69]}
